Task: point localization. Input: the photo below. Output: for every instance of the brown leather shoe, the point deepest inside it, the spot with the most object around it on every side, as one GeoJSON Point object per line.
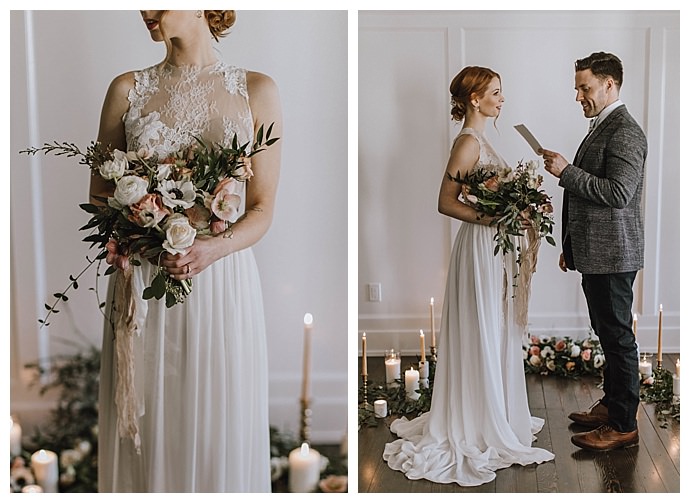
{"type": "Point", "coordinates": [605, 438]}
{"type": "Point", "coordinates": [597, 415]}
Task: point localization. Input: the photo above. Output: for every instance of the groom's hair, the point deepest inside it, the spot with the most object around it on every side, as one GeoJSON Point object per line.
{"type": "Point", "coordinates": [602, 65]}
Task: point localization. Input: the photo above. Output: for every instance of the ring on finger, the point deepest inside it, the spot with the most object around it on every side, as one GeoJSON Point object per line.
{"type": "Point", "coordinates": [188, 269]}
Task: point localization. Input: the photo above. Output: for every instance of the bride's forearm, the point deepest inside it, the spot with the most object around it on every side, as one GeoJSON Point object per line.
{"type": "Point", "coordinates": [245, 232]}
{"type": "Point", "coordinates": [460, 211]}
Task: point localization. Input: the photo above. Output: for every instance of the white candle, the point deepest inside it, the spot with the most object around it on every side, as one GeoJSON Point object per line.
{"type": "Point", "coordinates": [15, 438]}
{"type": "Point", "coordinates": [433, 330]}
{"type": "Point", "coordinates": [645, 368]}
{"type": "Point", "coordinates": [364, 354]}
{"type": "Point", "coordinates": [392, 364]}
{"type": "Point", "coordinates": [412, 383]}
{"type": "Point", "coordinates": [380, 408]}
{"type": "Point", "coordinates": [678, 368]}
{"type": "Point", "coordinates": [304, 469]}
{"type": "Point", "coordinates": [422, 348]}
{"type": "Point", "coordinates": [423, 374]}
{"type": "Point", "coordinates": [45, 466]}
{"type": "Point", "coordinates": [658, 357]}
{"type": "Point", "coordinates": [32, 488]}
{"type": "Point", "coordinates": [308, 320]}
{"type": "Point", "coordinates": [676, 385]}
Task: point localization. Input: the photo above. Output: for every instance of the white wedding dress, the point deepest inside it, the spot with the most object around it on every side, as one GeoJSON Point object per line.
{"type": "Point", "coordinates": [479, 419]}
{"type": "Point", "coordinates": [201, 366]}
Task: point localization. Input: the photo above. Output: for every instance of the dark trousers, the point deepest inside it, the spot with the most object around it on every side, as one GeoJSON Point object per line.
{"type": "Point", "coordinates": [609, 300]}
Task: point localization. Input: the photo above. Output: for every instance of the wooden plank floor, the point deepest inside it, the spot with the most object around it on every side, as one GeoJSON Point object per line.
{"type": "Point", "coordinates": [653, 466]}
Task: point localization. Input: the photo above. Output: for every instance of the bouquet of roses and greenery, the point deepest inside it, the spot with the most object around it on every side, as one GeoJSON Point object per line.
{"type": "Point", "coordinates": [160, 204]}
{"type": "Point", "coordinates": [510, 196]}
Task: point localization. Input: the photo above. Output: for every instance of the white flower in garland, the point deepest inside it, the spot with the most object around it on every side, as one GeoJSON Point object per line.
{"type": "Point", "coordinates": [599, 361]}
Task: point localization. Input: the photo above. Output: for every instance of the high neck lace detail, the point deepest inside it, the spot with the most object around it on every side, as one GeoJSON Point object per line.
{"type": "Point", "coordinates": [171, 105]}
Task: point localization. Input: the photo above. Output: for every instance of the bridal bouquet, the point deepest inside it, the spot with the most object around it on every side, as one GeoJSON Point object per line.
{"type": "Point", "coordinates": [160, 204]}
{"type": "Point", "coordinates": [510, 196]}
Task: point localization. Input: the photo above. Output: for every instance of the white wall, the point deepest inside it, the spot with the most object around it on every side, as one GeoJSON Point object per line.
{"type": "Point", "coordinates": [406, 62]}
{"type": "Point", "coordinates": [61, 65]}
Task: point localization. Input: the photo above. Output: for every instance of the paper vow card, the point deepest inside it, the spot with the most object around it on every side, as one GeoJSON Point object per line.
{"type": "Point", "coordinates": [529, 137]}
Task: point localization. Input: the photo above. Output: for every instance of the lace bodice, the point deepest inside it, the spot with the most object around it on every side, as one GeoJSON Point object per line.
{"type": "Point", "coordinates": [171, 105]}
{"type": "Point", "coordinates": [488, 157]}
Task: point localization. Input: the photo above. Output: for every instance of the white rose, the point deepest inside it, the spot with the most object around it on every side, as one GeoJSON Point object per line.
{"type": "Point", "coordinates": [547, 352]}
{"type": "Point", "coordinates": [575, 351]}
{"type": "Point", "coordinates": [472, 199]}
{"type": "Point", "coordinates": [130, 189]}
{"type": "Point", "coordinates": [179, 234]}
{"type": "Point", "coordinates": [112, 170]}
{"type": "Point", "coordinates": [535, 361]}
{"type": "Point", "coordinates": [551, 365]}
{"type": "Point", "coordinates": [599, 361]}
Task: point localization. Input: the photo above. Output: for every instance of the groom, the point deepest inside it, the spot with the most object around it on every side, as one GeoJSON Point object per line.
{"type": "Point", "coordinates": [603, 239]}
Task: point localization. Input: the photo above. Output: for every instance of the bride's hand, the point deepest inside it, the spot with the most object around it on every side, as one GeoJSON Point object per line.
{"type": "Point", "coordinates": [194, 259]}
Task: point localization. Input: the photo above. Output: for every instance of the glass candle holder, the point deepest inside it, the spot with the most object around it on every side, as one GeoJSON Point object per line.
{"type": "Point", "coordinates": [392, 364]}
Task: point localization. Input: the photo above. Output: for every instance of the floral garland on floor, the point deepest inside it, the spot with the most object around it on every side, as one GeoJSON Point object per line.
{"type": "Point", "coordinates": [72, 433]}
{"type": "Point", "coordinates": [563, 356]}
{"type": "Point", "coordinates": [559, 356]}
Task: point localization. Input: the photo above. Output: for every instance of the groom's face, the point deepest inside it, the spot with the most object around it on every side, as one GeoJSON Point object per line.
{"type": "Point", "coordinates": [593, 93]}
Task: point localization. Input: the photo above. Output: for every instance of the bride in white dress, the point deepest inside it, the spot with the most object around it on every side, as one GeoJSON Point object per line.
{"type": "Point", "coordinates": [200, 368]}
{"type": "Point", "coordinates": [479, 419]}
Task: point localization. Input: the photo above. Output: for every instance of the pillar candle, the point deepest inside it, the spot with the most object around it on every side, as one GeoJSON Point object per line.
{"type": "Point", "coordinates": [658, 357]}
{"type": "Point", "coordinates": [304, 469]}
{"type": "Point", "coordinates": [392, 364]}
{"type": "Point", "coordinates": [380, 408]}
{"type": "Point", "coordinates": [32, 488]}
{"type": "Point", "coordinates": [678, 368]}
{"type": "Point", "coordinates": [676, 385]}
{"type": "Point", "coordinates": [433, 328]}
{"type": "Point", "coordinates": [412, 383]}
{"type": "Point", "coordinates": [308, 320]}
{"type": "Point", "coordinates": [364, 354]}
{"type": "Point", "coordinates": [645, 368]}
{"type": "Point", "coordinates": [15, 438]}
{"type": "Point", "coordinates": [422, 348]}
{"type": "Point", "coordinates": [45, 466]}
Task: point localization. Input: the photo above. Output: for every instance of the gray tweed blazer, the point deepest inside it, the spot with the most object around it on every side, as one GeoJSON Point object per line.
{"type": "Point", "coordinates": [603, 232]}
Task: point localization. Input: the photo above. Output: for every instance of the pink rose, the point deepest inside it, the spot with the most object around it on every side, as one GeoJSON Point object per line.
{"type": "Point", "coordinates": [534, 339]}
{"type": "Point", "coordinates": [587, 355]}
{"type": "Point", "coordinates": [218, 226]}
{"type": "Point", "coordinates": [149, 211]}
{"type": "Point", "coordinates": [560, 345]}
{"type": "Point", "coordinates": [492, 184]}
{"type": "Point", "coordinates": [534, 350]}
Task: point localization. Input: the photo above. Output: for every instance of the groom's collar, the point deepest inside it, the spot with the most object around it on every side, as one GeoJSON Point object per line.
{"type": "Point", "coordinates": [606, 111]}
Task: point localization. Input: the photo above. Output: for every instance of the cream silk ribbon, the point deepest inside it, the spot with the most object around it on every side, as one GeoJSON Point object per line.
{"type": "Point", "coordinates": [126, 333]}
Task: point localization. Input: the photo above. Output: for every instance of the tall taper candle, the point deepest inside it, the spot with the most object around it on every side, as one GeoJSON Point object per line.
{"type": "Point", "coordinates": [433, 328]}
{"type": "Point", "coordinates": [308, 321]}
{"type": "Point", "coordinates": [658, 352]}
{"type": "Point", "coordinates": [364, 354]}
{"type": "Point", "coordinates": [421, 344]}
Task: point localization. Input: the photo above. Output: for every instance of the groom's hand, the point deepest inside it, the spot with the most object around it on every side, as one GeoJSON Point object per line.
{"type": "Point", "coordinates": [554, 162]}
{"type": "Point", "coordinates": [561, 263]}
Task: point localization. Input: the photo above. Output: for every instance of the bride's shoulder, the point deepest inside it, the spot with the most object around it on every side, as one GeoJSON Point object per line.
{"type": "Point", "coordinates": [261, 88]}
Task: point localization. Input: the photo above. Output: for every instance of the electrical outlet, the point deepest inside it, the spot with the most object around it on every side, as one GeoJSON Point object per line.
{"type": "Point", "coordinates": [374, 291]}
